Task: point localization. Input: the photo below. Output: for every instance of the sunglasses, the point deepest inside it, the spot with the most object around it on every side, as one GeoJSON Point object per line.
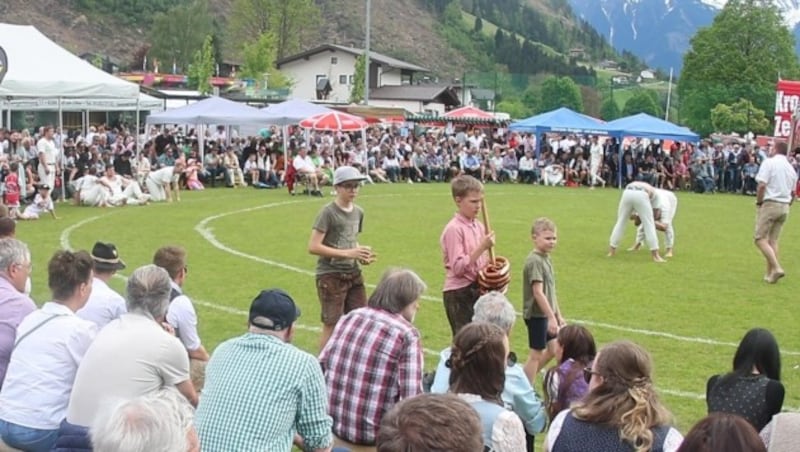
{"type": "Point", "coordinates": [587, 374]}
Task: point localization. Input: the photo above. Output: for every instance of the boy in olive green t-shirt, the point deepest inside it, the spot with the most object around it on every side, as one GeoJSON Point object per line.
{"type": "Point", "coordinates": [540, 310]}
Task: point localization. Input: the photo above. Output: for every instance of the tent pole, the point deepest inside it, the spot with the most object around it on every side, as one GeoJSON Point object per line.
{"type": "Point", "coordinates": [201, 141]}
{"type": "Point", "coordinates": [61, 149]}
{"type": "Point", "coordinates": [136, 132]}
{"type": "Point", "coordinates": [285, 148]}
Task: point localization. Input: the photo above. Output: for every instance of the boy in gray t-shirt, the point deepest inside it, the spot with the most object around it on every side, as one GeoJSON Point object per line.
{"type": "Point", "coordinates": [334, 238]}
{"type": "Point", "coordinates": [540, 310]}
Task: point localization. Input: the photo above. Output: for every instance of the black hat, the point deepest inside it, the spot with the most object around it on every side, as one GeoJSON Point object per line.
{"type": "Point", "coordinates": [274, 310]}
{"type": "Point", "coordinates": [106, 257]}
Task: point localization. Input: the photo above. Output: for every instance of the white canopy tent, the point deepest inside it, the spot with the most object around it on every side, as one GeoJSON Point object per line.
{"type": "Point", "coordinates": [143, 102]}
{"type": "Point", "coordinates": [38, 68]}
{"type": "Point", "coordinates": [214, 110]}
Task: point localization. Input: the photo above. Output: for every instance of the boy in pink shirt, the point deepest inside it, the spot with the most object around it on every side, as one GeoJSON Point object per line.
{"type": "Point", "coordinates": [464, 243]}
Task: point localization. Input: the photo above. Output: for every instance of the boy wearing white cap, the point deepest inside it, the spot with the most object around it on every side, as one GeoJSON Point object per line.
{"type": "Point", "coordinates": [334, 238]}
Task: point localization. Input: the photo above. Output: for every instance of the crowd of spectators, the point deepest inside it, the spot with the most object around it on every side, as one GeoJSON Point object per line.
{"type": "Point", "coordinates": [390, 154]}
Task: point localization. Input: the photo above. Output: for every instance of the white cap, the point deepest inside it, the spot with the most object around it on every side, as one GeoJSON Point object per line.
{"type": "Point", "coordinates": [346, 174]}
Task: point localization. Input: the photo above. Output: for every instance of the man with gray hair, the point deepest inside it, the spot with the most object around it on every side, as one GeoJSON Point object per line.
{"type": "Point", "coordinates": [15, 268]}
{"type": "Point", "coordinates": [161, 421]}
{"type": "Point", "coordinates": [260, 389]}
{"type": "Point", "coordinates": [133, 355]}
{"type": "Point", "coordinates": [374, 358]}
{"type": "Point", "coordinates": [518, 394]}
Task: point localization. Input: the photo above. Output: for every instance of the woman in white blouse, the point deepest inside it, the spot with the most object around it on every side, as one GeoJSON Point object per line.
{"type": "Point", "coordinates": [477, 365]}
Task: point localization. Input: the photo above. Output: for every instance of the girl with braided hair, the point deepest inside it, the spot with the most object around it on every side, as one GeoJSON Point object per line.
{"type": "Point", "coordinates": [477, 365]}
{"type": "Point", "coordinates": [621, 412]}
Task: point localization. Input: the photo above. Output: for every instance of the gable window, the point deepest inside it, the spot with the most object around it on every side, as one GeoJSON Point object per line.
{"type": "Point", "coordinates": [352, 79]}
{"type": "Point", "coordinates": [334, 60]}
{"type": "Point", "coordinates": [343, 79]}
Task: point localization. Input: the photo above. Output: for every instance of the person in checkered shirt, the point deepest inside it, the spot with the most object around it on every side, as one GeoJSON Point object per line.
{"type": "Point", "coordinates": [374, 358]}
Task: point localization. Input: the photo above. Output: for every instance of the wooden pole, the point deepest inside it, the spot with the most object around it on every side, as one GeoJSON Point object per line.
{"type": "Point", "coordinates": [485, 213]}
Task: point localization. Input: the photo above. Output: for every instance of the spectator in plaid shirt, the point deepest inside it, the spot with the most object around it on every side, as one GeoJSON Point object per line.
{"type": "Point", "coordinates": [374, 358]}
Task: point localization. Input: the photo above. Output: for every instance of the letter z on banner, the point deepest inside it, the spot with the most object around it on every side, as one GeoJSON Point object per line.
{"type": "Point", "coordinates": [787, 101]}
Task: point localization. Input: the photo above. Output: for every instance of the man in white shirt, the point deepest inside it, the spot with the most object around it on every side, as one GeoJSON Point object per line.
{"type": "Point", "coordinates": [104, 303]}
{"type": "Point", "coordinates": [160, 182]}
{"type": "Point", "coordinates": [596, 162]}
{"type": "Point", "coordinates": [181, 314]}
{"type": "Point", "coordinates": [777, 180]}
{"type": "Point", "coordinates": [122, 191]}
{"type": "Point", "coordinates": [48, 157]}
{"type": "Point", "coordinates": [305, 168]}
{"type": "Point", "coordinates": [131, 357]}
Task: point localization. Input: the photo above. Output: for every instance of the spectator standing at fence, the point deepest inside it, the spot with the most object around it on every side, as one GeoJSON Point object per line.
{"type": "Point", "coordinates": [775, 193]}
{"type": "Point", "coordinates": [48, 156]}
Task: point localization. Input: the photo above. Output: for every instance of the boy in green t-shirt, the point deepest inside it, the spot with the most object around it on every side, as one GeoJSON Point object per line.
{"type": "Point", "coordinates": [540, 310]}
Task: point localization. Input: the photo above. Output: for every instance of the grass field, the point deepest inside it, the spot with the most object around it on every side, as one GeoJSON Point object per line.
{"type": "Point", "coordinates": [689, 313]}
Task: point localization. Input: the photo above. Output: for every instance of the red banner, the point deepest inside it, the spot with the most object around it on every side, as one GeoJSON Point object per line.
{"type": "Point", "coordinates": [787, 99]}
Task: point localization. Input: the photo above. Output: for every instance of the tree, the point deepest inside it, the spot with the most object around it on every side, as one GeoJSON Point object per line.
{"type": "Point", "coordinates": [357, 92]}
{"type": "Point", "coordinates": [741, 55]}
{"type": "Point", "coordinates": [259, 61]}
{"type": "Point", "coordinates": [560, 92]}
{"type": "Point", "coordinates": [290, 21]}
{"type": "Point", "coordinates": [179, 33]}
{"type": "Point", "coordinates": [609, 110]}
{"type": "Point", "coordinates": [478, 25]}
{"type": "Point", "coordinates": [641, 102]}
{"type": "Point", "coordinates": [740, 116]}
{"type": "Point", "coordinates": [202, 67]}
{"type": "Point", "coordinates": [515, 108]}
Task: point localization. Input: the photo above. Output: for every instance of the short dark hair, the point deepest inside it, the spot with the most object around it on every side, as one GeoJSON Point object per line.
{"type": "Point", "coordinates": [8, 227]}
{"type": "Point", "coordinates": [66, 271]}
{"type": "Point", "coordinates": [430, 422]}
{"type": "Point", "coordinates": [171, 258]}
{"type": "Point", "coordinates": [577, 343]}
{"type": "Point", "coordinates": [722, 431]}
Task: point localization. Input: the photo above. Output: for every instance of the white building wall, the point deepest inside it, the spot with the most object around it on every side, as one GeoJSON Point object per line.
{"type": "Point", "coordinates": [304, 75]}
{"type": "Point", "coordinates": [410, 105]}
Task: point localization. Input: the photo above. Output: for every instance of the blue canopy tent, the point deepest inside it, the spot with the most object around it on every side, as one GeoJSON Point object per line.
{"type": "Point", "coordinates": [561, 120]}
{"type": "Point", "coordinates": [646, 126]}
{"type": "Point", "coordinates": [643, 125]}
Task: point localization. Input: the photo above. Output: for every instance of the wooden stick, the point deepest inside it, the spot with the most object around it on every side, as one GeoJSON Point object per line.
{"type": "Point", "coordinates": [488, 228]}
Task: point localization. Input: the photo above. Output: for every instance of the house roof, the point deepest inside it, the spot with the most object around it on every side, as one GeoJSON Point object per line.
{"type": "Point", "coordinates": [482, 94]}
{"type": "Point", "coordinates": [424, 93]}
{"type": "Point", "coordinates": [374, 56]}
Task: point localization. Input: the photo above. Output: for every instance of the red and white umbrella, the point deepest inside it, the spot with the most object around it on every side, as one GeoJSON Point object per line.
{"type": "Point", "coordinates": [468, 112]}
{"type": "Point", "coordinates": [334, 120]}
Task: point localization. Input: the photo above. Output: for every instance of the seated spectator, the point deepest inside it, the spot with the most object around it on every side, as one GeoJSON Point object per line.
{"type": "Point", "coordinates": [212, 167]}
{"type": "Point", "coordinates": [391, 165]}
{"type": "Point", "coordinates": [621, 411]}
{"type": "Point", "coordinates": [305, 169]}
{"type": "Point", "coordinates": [472, 164]}
{"type": "Point", "coordinates": [527, 167]}
{"type": "Point", "coordinates": [753, 389]}
{"type": "Point", "coordinates": [564, 384]}
{"type": "Point", "coordinates": [153, 358]}
{"type": "Point", "coordinates": [15, 305]}
{"type": "Point", "coordinates": [366, 377]}
{"type": "Point", "coordinates": [704, 182]}
{"type": "Point", "coordinates": [260, 389]}
{"type": "Point", "coordinates": [722, 432]}
{"type": "Point", "coordinates": [49, 347]}
{"type": "Point", "coordinates": [477, 366]}
{"type": "Point", "coordinates": [160, 421]}
{"type": "Point", "coordinates": [234, 177]}
{"type": "Point", "coordinates": [782, 434]}
{"type": "Point", "coordinates": [553, 175]}
{"type": "Point", "coordinates": [518, 394]}
{"type": "Point", "coordinates": [749, 172]}
{"type": "Point", "coordinates": [430, 422]}
{"type": "Point", "coordinates": [511, 164]}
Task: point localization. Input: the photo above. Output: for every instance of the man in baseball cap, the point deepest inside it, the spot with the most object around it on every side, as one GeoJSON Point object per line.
{"type": "Point", "coordinates": [252, 378]}
{"type": "Point", "coordinates": [273, 310]}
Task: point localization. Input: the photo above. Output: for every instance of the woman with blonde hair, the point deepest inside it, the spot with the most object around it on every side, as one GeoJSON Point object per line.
{"type": "Point", "coordinates": [621, 412]}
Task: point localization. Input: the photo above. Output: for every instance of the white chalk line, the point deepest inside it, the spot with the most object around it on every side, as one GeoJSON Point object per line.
{"type": "Point", "coordinates": [65, 244]}
{"type": "Point", "coordinates": [204, 231]}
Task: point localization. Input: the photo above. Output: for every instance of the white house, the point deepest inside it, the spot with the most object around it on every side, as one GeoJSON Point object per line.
{"type": "Point", "coordinates": [327, 72]}
{"type": "Point", "coordinates": [423, 98]}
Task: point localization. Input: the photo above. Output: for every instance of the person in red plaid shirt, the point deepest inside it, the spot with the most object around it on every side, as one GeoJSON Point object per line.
{"type": "Point", "coordinates": [374, 358]}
